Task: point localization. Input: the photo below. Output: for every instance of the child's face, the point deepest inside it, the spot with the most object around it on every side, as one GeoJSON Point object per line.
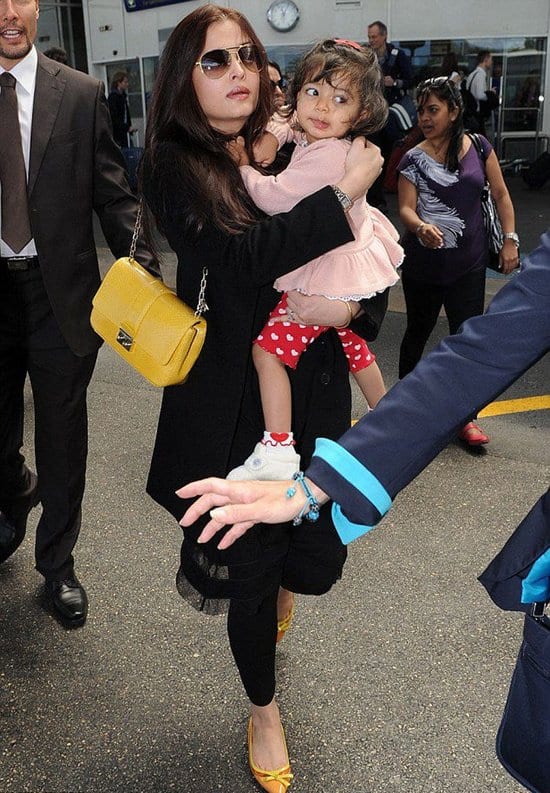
{"type": "Point", "coordinates": [327, 111]}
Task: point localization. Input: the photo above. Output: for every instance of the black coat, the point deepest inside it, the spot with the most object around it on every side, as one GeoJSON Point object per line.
{"type": "Point", "coordinates": [211, 423]}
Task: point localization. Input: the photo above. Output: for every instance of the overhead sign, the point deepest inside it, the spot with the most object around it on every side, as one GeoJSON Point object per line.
{"type": "Point", "coordinates": [144, 5]}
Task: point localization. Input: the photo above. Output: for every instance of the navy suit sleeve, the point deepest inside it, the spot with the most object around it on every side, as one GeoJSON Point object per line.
{"type": "Point", "coordinates": [405, 72]}
{"type": "Point", "coordinates": [389, 447]}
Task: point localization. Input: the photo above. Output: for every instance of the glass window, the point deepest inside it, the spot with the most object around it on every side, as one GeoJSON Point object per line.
{"type": "Point", "coordinates": [150, 69]}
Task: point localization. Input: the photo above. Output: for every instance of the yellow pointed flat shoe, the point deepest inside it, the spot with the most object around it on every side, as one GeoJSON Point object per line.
{"type": "Point", "coordinates": [277, 781]}
{"type": "Point", "coordinates": [284, 624]}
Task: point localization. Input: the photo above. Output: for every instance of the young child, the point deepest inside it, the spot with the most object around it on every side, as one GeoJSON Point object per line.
{"type": "Point", "coordinates": [335, 95]}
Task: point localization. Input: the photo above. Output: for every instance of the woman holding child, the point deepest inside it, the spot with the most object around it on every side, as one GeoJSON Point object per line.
{"type": "Point", "coordinates": [213, 86]}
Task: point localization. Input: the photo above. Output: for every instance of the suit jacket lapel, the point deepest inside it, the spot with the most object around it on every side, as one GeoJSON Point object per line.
{"type": "Point", "coordinates": [47, 100]}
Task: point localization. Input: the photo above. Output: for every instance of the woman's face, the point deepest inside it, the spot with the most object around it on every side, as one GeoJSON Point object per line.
{"type": "Point", "coordinates": [435, 119]}
{"type": "Point", "coordinates": [229, 101]}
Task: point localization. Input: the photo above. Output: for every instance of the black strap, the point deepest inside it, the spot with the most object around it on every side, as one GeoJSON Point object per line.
{"type": "Point", "coordinates": [474, 137]}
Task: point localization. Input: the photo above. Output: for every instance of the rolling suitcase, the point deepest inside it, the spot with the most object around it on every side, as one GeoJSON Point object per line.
{"type": "Point", "coordinates": [132, 157]}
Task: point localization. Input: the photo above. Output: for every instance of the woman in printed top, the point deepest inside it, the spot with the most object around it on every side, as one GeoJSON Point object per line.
{"type": "Point", "coordinates": [335, 96]}
{"type": "Point", "coordinates": [446, 248]}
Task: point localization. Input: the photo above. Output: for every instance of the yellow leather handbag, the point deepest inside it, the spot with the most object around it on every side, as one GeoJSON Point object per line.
{"type": "Point", "coordinates": [146, 324]}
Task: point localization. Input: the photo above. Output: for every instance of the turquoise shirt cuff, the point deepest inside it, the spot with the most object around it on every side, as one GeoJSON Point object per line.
{"type": "Point", "coordinates": [347, 531]}
{"type": "Point", "coordinates": [360, 478]}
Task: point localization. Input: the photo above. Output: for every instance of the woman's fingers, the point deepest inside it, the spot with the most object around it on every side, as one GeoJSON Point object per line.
{"type": "Point", "coordinates": [234, 533]}
{"type": "Point", "coordinates": [201, 506]}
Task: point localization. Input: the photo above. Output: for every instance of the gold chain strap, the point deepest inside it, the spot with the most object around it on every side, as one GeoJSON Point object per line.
{"type": "Point", "coordinates": [202, 305]}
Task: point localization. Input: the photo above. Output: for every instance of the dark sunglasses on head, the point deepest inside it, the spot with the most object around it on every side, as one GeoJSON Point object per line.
{"type": "Point", "coordinates": [216, 63]}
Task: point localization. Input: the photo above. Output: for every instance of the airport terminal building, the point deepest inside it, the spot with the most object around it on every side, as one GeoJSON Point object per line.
{"type": "Point", "coordinates": [104, 36]}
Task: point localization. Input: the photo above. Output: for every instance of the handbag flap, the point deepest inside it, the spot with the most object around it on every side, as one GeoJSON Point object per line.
{"type": "Point", "coordinates": [168, 325]}
{"type": "Point", "coordinates": [146, 310]}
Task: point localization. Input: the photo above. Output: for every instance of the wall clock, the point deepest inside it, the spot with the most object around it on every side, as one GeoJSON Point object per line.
{"type": "Point", "coordinates": [283, 15]}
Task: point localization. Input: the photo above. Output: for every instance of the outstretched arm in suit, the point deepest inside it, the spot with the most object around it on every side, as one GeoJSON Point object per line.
{"type": "Point", "coordinates": [389, 447]}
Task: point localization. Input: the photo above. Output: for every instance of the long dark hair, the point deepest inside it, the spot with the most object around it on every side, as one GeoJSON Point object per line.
{"type": "Point", "coordinates": [446, 91]}
{"type": "Point", "coordinates": [200, 164]}
{"type": "Point", "coordinates": [358, 66]}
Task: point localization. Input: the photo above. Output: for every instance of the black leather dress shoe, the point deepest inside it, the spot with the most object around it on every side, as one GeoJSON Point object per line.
{"type": "Point", "coordinates": [69, 601]}
{"type": "Point", "coordinates": [15, 516]}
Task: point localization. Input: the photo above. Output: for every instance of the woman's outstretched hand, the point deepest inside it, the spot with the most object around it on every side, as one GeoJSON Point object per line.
{"type": "Point", "coordinates": [362, 167]}
{"type": "Point", "coordinates": [241, 505]}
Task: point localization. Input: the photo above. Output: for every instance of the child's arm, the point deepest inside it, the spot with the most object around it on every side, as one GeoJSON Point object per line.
{"type": "Point", "coordinates": [322, 164]}
{"type": "Point", "coordinates": [237, 151]}
{"type": "Point", "coordinates": [277, 133]}
{"type": "Point", "coordinates": [265, 150]}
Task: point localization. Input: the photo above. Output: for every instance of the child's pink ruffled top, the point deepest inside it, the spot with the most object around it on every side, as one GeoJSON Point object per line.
{"type": "Point", "coordinates": [353, 271]}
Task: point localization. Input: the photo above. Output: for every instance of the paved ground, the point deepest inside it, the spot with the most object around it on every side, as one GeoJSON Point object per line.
{"type": "Point", "coordinates": [393, 682]}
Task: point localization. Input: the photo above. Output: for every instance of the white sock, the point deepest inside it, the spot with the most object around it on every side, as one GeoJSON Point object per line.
{"type": "Point", "coordinates": [278, 438]}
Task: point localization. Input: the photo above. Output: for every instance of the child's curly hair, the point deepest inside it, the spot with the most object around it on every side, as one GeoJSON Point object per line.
{"type": "Point", "coordinates": [355, 65]}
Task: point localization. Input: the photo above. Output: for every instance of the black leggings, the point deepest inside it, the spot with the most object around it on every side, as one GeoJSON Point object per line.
{"type": "Point", "coordinates": [462, 299]}
{"type": "Point", "coordinates": [252, 638]}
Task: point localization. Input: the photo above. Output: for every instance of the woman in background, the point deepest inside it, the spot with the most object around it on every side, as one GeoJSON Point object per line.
{"type": "Point", "coordinates": [446, 249]}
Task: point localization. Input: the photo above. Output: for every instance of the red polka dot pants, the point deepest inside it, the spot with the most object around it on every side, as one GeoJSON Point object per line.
{"type": "Point", "coordinates": [288, 340]}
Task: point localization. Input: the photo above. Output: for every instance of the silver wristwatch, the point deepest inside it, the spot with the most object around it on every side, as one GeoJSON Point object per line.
{"type": "Point", "coordinates": [343, 198]}
{"type": "Point", "coordinates": [511, 235]}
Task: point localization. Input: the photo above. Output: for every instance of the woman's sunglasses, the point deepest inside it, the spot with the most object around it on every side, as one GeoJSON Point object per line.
{"type": "Point", "coordinates": [216, 63]}
{"type": "Point", "coordinates": [282, 84]}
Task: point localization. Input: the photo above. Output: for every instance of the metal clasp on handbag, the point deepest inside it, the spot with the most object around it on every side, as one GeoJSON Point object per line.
{"type": "Point", "coordinates": [124, 339]}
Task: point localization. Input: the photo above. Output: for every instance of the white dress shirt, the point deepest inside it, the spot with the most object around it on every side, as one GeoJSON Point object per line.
{"type": "Point", "coordinates": [477, 83]}
{"type": "Point", "coordinates": [25, 74]}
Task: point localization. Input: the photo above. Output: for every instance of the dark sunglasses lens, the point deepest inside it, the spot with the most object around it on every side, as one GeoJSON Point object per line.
{"type": "Point", "coordinates": [215, 62]}
{"type": "Point", "coordinates": [250, 56]}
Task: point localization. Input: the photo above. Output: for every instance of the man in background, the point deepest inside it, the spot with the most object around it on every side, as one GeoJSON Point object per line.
{"type": "Point", "coordinates": [57, 54]}
{"type": "Point", "coordinates": [479, 85]}
{"type": "Point", "coordinates": [397, 78]}
{"type": "Point", "coordinates": [120, 109]}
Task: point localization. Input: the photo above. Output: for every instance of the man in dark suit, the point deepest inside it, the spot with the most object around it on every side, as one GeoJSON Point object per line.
{"type": "Point", "coordinates": [397, 77]}
{"type": "Point", "coordinates": [58, 163]}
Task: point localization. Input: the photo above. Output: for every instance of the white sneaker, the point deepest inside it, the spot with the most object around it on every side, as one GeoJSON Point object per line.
{"type": "Point", "coordinates": [268, 463]}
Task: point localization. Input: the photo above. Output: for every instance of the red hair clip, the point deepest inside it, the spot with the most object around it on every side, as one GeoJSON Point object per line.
{"type": "Point", "coordinates": [349, 43]}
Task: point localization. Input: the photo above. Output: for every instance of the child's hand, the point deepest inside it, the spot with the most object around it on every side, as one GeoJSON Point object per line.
{"type": "Point", "coordinates": [265, 150]}
{"type": "Point", "coordinates": [238, 152]}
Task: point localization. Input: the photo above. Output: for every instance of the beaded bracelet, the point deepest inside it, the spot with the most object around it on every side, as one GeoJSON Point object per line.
{"type": "Point", "coordinates": [310, 510]}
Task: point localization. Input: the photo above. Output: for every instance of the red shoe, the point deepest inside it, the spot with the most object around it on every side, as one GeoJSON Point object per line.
{"type": "Point", "coordinates": [473, 435]}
